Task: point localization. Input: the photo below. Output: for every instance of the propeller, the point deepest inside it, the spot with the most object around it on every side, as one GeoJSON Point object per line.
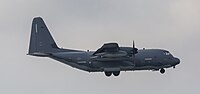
{"type": "Point", "coordinates": [134, 52]}
{"type": "Point", "coordinates": [134, 49]}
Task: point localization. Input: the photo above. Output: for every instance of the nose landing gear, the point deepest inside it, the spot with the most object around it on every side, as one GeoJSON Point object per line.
{"type": "Point", "coordinates": [162, 71]}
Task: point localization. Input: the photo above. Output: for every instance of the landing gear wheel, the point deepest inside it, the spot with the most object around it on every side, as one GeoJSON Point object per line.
{"type": "Point", "coordinates": [116, 73]}
{"type": "Point", "coordinates": [162, 70]}
{"type": "Point", "coordinates": [108, 74]}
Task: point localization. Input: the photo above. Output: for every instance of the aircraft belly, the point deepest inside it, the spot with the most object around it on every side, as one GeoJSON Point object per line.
{"type": "Point", "coordinates": [108, 66]}
{"type": "Point", "coordinates": [151, 67]}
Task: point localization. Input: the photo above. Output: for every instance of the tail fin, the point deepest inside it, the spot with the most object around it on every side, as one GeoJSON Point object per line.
{"type": "Point", "coordinates": [41, 41]}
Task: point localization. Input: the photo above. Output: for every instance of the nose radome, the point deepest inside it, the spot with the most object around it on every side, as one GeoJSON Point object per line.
{"type": "Point", "coordinates": [177, 61]}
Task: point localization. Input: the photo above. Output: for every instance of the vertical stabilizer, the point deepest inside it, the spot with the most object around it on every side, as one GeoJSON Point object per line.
{"type": "Point", "coordinates": [41, 40]}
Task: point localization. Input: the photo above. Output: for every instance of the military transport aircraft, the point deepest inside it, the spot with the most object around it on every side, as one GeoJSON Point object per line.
{"type": "Point", "coordinates": [110, 58]}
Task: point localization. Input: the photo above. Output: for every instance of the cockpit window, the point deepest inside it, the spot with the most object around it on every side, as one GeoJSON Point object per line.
{"type": "Point", "coordinates": [166, 53]}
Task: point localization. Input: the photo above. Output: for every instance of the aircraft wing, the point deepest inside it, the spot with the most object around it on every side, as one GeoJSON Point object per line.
{"type": "Point", "coordinates": [108, 48]}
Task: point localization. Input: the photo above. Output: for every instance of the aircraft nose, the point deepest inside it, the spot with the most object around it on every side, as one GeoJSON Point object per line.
{"type": "Point", "coordinates": [176, 60]}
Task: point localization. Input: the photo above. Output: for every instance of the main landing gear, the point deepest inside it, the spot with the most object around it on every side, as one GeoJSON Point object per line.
{"type": "Point", "coordinates": [162, 70]}
{"type": "Point", "coordinates": [115, 73]}
{"type": "Point", "coordinates": [108, 74]}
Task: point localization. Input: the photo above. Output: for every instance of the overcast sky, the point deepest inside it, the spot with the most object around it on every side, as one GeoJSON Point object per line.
{"type": "Point", "coordinates": [173, 25]}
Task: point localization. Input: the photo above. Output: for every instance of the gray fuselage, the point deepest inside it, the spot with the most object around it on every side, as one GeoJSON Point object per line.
{"type": "Point", "coordinates": [110, 58]}
{"type": "Point", "coordinates": [145, 59]}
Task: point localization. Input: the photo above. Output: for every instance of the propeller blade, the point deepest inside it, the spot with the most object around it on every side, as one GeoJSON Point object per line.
{"type": "Point", "coordinates": [133, 48]}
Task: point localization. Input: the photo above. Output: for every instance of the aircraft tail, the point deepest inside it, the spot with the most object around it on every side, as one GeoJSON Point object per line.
{"type": "Point", "coordinates": [41, 41]}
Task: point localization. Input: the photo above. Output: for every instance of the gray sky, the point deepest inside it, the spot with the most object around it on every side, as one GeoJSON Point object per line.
{"type": "Point", "coordinates": [87, 24]}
